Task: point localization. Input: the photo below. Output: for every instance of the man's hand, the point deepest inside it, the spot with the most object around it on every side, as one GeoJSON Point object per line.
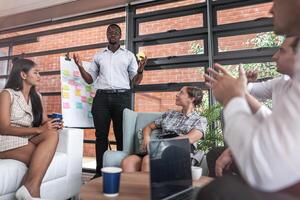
{"type": "Point", "coordinates": [77, 60]}
{"type": "Point", "coordinates": [223, 162]}
{"type": "Point", "coordinates": [224, 86]}
{"type": "Point", "coordinates": [142, 64]}
{"type": "Point", "coordinates": [252, 75]}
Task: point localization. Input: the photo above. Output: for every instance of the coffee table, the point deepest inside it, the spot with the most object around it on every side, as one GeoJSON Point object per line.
{"type": "Point", "coordinates": [133, 186]}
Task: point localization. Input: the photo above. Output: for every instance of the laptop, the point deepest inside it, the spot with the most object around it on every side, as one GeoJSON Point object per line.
{"type": "Point", "coordinates": [170, 169]}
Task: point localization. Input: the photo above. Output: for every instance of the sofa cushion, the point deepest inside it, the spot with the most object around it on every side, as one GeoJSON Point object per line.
{"type": "Point", "coordinates": [129, 119]}
{"type": "Point", "coordinates": [58, 167]}
{"type": "Point", "coordinates": [12, 172]}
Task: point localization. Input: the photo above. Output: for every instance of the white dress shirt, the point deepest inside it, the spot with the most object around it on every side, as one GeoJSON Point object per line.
{"type": "Point", "coordinates": [266, 146]}
{"type": "Point", "coordinates": [268, 89]}
{"type": "Point", "coordinates": [113, 70]}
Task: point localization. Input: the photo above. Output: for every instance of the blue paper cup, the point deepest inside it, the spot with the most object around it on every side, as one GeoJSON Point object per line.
{"type": "Point", "coordinates": [111, 181]}
{"type": "Point", "coordinates": [56, 116]}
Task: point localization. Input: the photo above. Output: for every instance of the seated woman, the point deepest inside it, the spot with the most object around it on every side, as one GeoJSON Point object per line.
{"type": "Point", "coordinates": [187, 123]}
{"type": "Point", "coordinates": [26, 134]}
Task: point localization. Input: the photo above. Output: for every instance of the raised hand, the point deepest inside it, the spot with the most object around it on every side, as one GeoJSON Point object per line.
{"type": "Point", "coordinates": [224, 86]}
{"type": "Point", "coordinates": [142, 63]}
{"type": "Point", "coordinates": [252, 75]}
{"type": "Point", "coordinates": [77, 60]}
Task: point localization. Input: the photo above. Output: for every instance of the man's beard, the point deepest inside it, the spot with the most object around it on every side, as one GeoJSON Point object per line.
{"type": "Point", "coordinates": [112, 42]}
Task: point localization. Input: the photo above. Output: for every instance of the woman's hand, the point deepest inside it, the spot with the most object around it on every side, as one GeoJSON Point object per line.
{"type": "Point", "coordinates": [145, 143]}
{"type": "Point", "coordinates": [61, 125]}
{"type": "Point", "coordinates": [52, 124]}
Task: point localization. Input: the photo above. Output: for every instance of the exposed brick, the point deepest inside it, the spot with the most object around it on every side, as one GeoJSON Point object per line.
{"type": "Point", "coordinates": [148, 102]}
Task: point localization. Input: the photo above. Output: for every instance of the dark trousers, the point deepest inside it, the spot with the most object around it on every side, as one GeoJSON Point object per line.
{"type": "Point", "coordinates": [107, 107]}
{"type": "Point", "coordinates": [231, 187]}
{"type": "Point", "coordinates": [211, 158]}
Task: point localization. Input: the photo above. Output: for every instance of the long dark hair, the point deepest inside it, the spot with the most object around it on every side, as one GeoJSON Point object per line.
{"type": "Point", "coordinates": [15, 82]}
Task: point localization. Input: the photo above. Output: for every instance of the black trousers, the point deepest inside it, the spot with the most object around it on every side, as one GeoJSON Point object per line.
{"type": "Point", "coordinates": [231, 187]}
{"type": "Point", "coordinates": [107, 107]}
{"type": "Point", "coordinates": [211, 158]}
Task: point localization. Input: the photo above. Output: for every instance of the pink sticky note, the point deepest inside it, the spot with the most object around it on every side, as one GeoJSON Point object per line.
{"type": "Point", "coordinates": [93, 94]}
{"type": "Point", "coordinates": [66, 105]}
{"type": "Point", "coordinates": [71, 82]}
{"type": "Point", "coordinates": [76, 74]}
{"type": "Point", "coordinates": [83, 99]}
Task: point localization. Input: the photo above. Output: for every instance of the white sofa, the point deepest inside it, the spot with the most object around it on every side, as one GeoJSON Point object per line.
{"type": "Point", "coordinates": [63, 178]}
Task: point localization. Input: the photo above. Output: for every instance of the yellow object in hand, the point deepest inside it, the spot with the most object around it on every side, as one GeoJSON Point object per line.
{"type": "Point", "coordinates": [140, 56]}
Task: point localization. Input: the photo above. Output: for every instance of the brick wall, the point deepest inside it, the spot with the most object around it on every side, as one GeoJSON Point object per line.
{"type": "Point", "coordinates": [150, 102]}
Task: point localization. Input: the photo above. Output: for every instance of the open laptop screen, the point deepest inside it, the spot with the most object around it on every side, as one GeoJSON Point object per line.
{"type": "Point", "coordinates": [170, 167]}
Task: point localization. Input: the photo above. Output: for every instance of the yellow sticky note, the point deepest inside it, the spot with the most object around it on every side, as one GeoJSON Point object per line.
{"type": "Point", "coordinates": [141, 55]}
{"type": "Point", "coordinates": [66, 95]}
{"type": "Point", "coordinates": [77, 93]}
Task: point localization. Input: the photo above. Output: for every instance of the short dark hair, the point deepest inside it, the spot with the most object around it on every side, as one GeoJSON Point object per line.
{"type": "Point", "coordinates": [115, 25]}
{"type": "Point", "coordinates": [195, 92]}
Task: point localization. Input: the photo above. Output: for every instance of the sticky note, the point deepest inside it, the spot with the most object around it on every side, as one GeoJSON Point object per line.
{"type": "Point", "coordinates": [83, 99]}
{"type": "Point", "coordinates": [76, 74]}
{"type": "Point", "coordinates": [90, 100]}
{"type": "Point", "coordinates": [93, 94]}
{"type": "Point", "coordinates": [66, 87]}
{"type": "Point", "coordinates": [79, 105]}
{"type": "Point", "coordinates": [78, 87]}
{"type": "Point", "coordinates": [77, 93]}
{"type": "Point", "coordinates": [88, 88]}
{"type": "Point", "coordinates": [66, 105]}
{"type": "Point", "coordinates": [66, 72]}
{"type": "Point", "coordinates": [71, 82]}
{"type": "Point", "coordinates": [66, 95]}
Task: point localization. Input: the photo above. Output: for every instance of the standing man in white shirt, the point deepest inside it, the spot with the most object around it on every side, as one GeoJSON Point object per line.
{"type": "Point", "coordinates": [265, 145]}
{"type": "Point", "coordinates": [112, 71]}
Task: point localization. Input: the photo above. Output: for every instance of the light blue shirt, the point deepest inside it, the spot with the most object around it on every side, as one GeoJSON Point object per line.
{"type": "Point", "coordinates": [113, 70]}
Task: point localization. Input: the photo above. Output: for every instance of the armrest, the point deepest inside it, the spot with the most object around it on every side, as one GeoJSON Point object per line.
{"type": "Point", "coordinates": [71, 144]}
{"type": "Point", "coordinates": [113, 158]}
{"type": "Point", "coordinates": [70, 141]}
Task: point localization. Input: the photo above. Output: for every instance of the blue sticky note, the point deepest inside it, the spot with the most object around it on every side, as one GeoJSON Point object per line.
{"type": "Point", "coordinates": [79, 105]}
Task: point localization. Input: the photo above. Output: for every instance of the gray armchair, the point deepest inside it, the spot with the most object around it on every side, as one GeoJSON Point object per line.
{"type": "Point", "coordinates": [132, 122]}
